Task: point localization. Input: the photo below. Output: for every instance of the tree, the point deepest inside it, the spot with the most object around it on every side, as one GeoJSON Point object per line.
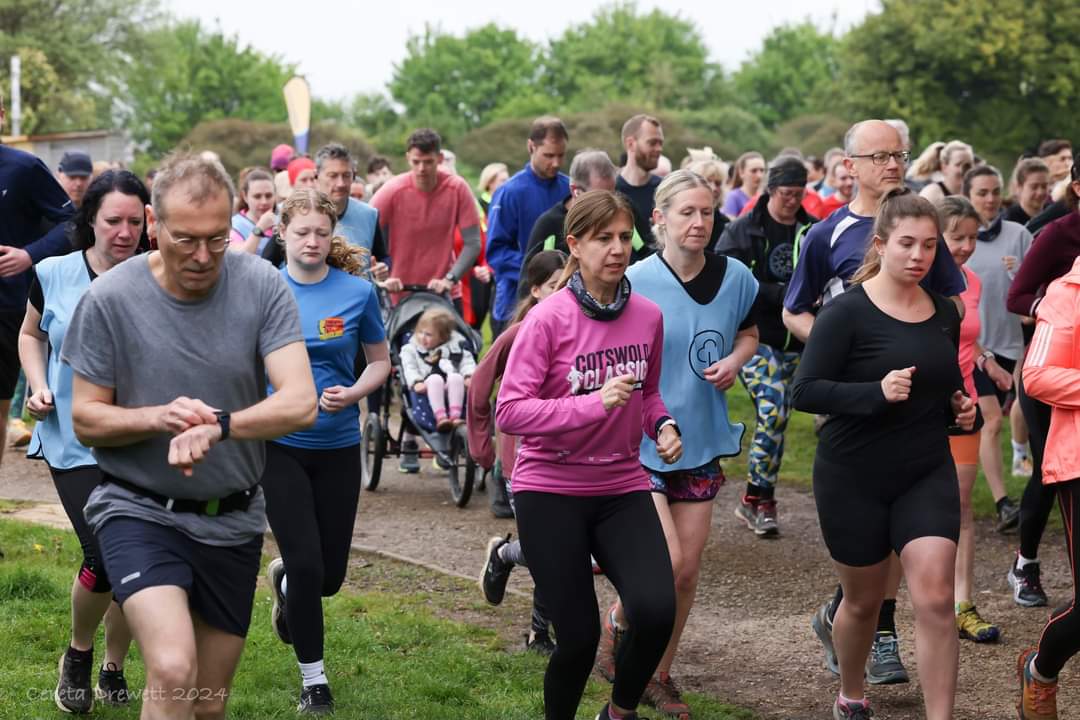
{"type": "Point", "coordinates": [794, 73]}
{"type": "Point", "coordinates": [655, 59]}
{"type": "Point", "coordinates": [194, 75]}
{"type": "Point", "coordinates": [458, 83]}
{"type": "Point", "coordinates": [997, 74]}
{"type": "Point", "coordinates": [73, 55]}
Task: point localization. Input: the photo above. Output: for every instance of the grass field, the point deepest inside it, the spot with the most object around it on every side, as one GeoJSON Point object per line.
{"type": "Point", "coordinates": [391, 652]}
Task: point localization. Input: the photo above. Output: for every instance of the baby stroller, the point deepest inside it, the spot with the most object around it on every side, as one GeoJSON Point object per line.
{"type": "Point", "coordinates": [451, 448]}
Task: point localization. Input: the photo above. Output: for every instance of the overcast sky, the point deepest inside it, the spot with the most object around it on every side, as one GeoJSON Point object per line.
{"type": "Point", "coordinates": [345, 46]}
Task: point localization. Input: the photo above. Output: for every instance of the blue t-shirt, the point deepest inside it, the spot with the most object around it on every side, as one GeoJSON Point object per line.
{"type": "Point", "coordinates": [337, 315]}
{"type": "Point", "coordinates": [835, 248]}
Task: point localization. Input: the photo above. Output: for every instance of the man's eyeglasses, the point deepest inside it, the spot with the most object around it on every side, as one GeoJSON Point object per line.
{"type": "Point", "coordinates": [882, 158]}
{"type": "Point", "coordinates": [188, 245]}
{"type": "Point", "coordinates": [790, 194]}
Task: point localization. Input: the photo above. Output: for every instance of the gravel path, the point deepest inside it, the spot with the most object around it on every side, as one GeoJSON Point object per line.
{"type": "Point", "coordinates": [748, 641]}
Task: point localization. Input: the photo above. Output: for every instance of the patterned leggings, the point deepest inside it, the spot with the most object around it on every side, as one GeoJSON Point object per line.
{"type": "Point", "coordinates": [767, 377]}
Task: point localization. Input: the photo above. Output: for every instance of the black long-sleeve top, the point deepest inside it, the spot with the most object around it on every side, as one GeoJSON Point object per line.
{"type": "Point", "coordinates": [852, 347]}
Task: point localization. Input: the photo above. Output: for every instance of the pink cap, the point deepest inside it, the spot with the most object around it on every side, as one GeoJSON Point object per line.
{"type": "Point", "coordinates": [280, 157]}
{"type": "Point", "coordinates": [297, 166]}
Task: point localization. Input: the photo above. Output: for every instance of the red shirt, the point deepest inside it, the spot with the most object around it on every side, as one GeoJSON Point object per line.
{"type": "Point", "coordinates": [419, 226]}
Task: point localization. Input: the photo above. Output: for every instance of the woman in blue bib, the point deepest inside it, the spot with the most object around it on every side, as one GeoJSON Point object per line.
{"type": "Point", "coordinates": [312, 477]}
{"type": "Point", "coordinates": [709, 334]}
{"type": "Point", "coordinates": [109, 228]}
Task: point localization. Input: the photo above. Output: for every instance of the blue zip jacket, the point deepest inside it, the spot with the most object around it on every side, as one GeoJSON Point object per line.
{"type": "Point", "coordinates": [29, 197]}
{"type": "Point", "coordinates": [513, 212]}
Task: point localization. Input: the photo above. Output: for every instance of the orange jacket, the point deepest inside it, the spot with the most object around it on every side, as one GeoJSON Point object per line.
{"type": "Point", "coordinates": [1052, 374]}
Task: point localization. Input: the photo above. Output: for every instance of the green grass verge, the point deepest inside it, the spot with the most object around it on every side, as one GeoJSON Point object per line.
{"type": "Point", "coordinates": [800, 444]}
{"type": "Point", "coordinates": [392, 651]}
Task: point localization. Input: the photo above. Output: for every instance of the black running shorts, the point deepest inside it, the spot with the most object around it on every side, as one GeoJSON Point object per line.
{"type": "Point", "coordinates": [870, 511]}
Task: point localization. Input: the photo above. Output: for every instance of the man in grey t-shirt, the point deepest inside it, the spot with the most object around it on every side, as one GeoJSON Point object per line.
{"type": "Point", "coordinates": [171, 352]}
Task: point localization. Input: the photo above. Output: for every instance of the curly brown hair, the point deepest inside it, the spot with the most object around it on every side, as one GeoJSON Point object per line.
{"type": "Point", "coordinates": [353, 259]}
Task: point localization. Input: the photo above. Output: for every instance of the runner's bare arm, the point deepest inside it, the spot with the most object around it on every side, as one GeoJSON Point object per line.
{"type": "Point", "coordinates": [292, 407]}
{"type": "Point", "coordinates": [99, 422]}
{"type": "Point", "coordinates": [798, 323]}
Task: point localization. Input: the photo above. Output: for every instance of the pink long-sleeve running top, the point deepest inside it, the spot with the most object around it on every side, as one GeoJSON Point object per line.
{"type": "Point", "coordinates": [550, 397]}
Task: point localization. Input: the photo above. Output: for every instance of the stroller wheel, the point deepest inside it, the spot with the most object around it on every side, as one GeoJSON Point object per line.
{"type": "Point", "coordinates": [462, 473]}
{"type": "Point", "coordinates": [372, 452]}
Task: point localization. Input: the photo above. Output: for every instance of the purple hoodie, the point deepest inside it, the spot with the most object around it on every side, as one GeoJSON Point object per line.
{"type": "Point", "coordinates": [550, 397]}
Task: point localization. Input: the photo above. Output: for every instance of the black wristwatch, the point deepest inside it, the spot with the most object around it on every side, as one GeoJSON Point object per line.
{"type": "Point", "coordinates": [223, 420]}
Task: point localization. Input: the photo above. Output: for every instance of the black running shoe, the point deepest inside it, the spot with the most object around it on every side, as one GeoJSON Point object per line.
{"type": "Point", "coordinates": [496, 571]}
{"type": "Point", "coordinates": [73, 693]}
{"type": "Point", "coordinates": [605, 715]}
{"type": "Point", "coordinates": [1026, 585]}
{"type": "Point", "coordinates": [540, 643]}
{"type": "Point", "coordinates": [316, 700]}
{"type": "Point", "coordinates": [1008, 516]}
{"type": "Point", "coordinates": [112, 687]}
{"type": "Point", "coordinates": [275, 573]}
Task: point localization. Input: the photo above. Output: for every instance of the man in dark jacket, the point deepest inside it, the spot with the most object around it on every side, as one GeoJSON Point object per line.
{"type": "Point", "coordinates": [765, 240]}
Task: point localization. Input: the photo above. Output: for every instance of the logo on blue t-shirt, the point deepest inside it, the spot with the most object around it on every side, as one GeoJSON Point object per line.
{"type": "Point", "coordinates": [706, 349]}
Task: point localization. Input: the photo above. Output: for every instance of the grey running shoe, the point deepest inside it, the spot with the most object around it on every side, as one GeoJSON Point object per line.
{"type": "Point", "coordinates": [1026, 585]}
{"type": "Point", "coordinates": [410, 457]}
{"type": "Point", "coordinates": [1008, 516]}
{"type": "Point", "coordinates": [275, 573]}
{"type": "Point", "coordinates": [884, 667]}
{"type": "Point", "coordinates": [765, 525]}
{"type": "Point", "coordinates": [73, 693]}
{"type": "Point", "coordinates": [610, 634]}
{"type": "Point", "coordinates": [496, 571]}
{"type": "Point", "coordinates": [112, 688]}
{"type": "Point", "coordinates": [851, 711]}
{"type": "Point", "coordinates": [746, 510]}
{"type": "Point", "coordinates": [822, 626]}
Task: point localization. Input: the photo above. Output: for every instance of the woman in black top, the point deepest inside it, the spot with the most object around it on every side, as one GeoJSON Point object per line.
{"type": "Point", "coordinates": [882, 364]}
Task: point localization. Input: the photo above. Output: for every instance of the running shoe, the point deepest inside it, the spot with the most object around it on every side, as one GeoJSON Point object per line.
{"type": "Point", "coordinates": [972, 626]}
{"type": "Point", "coordinates": [540, 642]}
{"type": "Point", "coordinates": [1026, 585]}
{"type": "Point", "coordinates": [73, 693]}
{"type": "Point", "coordinates": [765, 525]}
{"type": "Point", "coordinates": [884, 667]}
{"type": "Point", "coordinates": [1008, 516]}
{"type": "Point", "coordinates": [316, 700]}
{"type": "Point", "coordinates": [746, 510]}
{"type": "Point", "coordinates": [822, 626]}
{"type": "Point", "coordinates": [609, 643]}
{"type": "Point", "coordinates": [112, 688]}
{"type": "Point", "coordinates": [410, 457]}
{"type": "Point", "coordinates": [18, 434]}
{"type": "Point", "coordinates": [851, 711]}
{"type": "Point", "coordinates": [664, 695]}
{"type": "Point", "coordinates": [1038, 700]}
{"type": "Point", "coordinates": [275, 573]}
{"type": "Point", "coordinates": [605, 715]}
{"type": "Point", "coordinates": [496, 571]}
{"type": "Point", "coordinates": [1021, 466]}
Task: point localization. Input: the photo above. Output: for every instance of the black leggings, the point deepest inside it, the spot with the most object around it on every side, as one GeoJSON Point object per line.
{"type": "Point", "coordinates": [311, 499]}
{"type": "Point", "coordinates": [623, 532]}
{"type": "Point", "coordinates": [1038, 499]}
{"type": "Point", "coordinates": [1061, 637]}
{"type": "Point", "coordinates": [74, 488]}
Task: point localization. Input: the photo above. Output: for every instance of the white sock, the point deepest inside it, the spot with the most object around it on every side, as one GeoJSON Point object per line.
{"type": "Point", "coordinates": [313, 673]}
{"type": "Point", "coordinates": [1022, 562]}
{"type": "Point", "coordinates": [1036, 674]}
{"type": "Point", "coordinates": [284, 583]}
{"type": "Point", "coordinates": [1020, 450]}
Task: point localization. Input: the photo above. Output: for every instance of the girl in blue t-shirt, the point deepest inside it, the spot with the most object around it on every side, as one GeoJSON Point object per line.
{"type": "Point", "coordinates": [312, 477]}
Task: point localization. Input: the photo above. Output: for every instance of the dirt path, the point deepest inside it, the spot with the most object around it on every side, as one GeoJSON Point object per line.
{"type": "Point", "coordinates": [748, 641]}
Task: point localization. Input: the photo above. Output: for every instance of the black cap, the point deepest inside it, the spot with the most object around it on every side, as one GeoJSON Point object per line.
{"type": "Point", "coordinates": [76, 164]}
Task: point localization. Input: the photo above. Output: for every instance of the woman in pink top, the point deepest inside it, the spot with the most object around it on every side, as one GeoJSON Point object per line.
{"type": "Point", "coordinates": [960, 226]}
{"type": "Point", "coordinates": [580, 386]}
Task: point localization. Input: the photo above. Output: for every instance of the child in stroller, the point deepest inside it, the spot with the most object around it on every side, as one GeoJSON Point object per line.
{"type": "Point", "coordinates": [437, 362]}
